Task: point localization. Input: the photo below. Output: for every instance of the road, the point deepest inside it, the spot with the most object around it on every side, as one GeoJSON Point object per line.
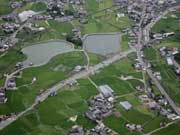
{"type": "Point", "coordinates": [13, 35]}
{"type": "Point", "coordinates": [61, 84]}
{"type": "Point", "coordinates": [149, 71]}
{"type": "Point", "coordinates": [147, 29]}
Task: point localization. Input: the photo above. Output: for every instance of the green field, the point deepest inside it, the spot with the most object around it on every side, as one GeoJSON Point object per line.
{"type": "Point", "coordinates": [124, 42]}
{"type": "Point", "coordinates": [56, 70]}
{"type": "Point", "coordinates": [154, 124]}
{"type": "Point", "coordinates": [173, 129]}
{"type": "Point", "coordinates": [52, 116]}
{"type": "Point", "coordinates": [94, 6]}
{"type": "Point", "coordinates": [169, 79]}
{"type": "Point", "coordinates": [117, 124]}
{"type": "Point", "coordinates": [139, 114]}
{"type": "Point", "coordinates": [169, 24]}
{"type": "Point", "coordinates": [35, 6]}
{"type": "Point", "coordinates": [104, 21]}
{"type": "Point", "coordinates": [110, 74]}
{"type": "Point", "coordinates": [95, 58]}
{"type": "Point", "coordinates": [8, 62]}
{"type": "Point", "coordinates": [5, 7]}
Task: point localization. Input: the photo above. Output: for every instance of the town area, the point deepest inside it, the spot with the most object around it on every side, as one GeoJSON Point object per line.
{"type": "Point", "coordinates": [89, 67]}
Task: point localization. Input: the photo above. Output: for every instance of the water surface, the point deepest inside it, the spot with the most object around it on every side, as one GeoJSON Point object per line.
{"type": "Point", "coordinates": [102, 44]}
{"type": "Point", "coordinates": [40, 54]}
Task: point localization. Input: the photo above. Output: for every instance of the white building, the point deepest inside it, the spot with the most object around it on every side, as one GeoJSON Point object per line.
{"type": "Point", "coordinates": [169, 61]}
{"type": "Point", "coordinates": [173, 116]}
{"type": "Point", "coordinates": [106, 90]}
{"type": "Point", "coordinates": [23, 16]}
{"type": "Point", "coordinates": [126, 105]}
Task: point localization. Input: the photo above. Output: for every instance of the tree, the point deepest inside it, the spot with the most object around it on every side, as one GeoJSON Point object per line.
{"type": "Point", "coordinates": [177, 57]}
{"type": "Point", "coordinates": [72, 39]}
{"type": "Point", "coordinates": [177, 35]}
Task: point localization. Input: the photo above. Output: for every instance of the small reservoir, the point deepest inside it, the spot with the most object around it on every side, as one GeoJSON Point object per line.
{"type": "Point", "coordinates": [102, 44]}
{"type": "Point", "coordinates": [40, 54]}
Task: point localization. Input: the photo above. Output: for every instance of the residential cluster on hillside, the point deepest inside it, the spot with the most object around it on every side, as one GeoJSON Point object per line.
{"type": "Point", "coordinates": [100, 129]}
{"type": "Point", "coordinates": [169, 55]}
{"type": "Point", "coordinates": [100, 107]}
{"type": "Point", "coordinates": [56, 10]}
{"type": "Point", "coordinates": [158, 103]}
{"type": "Point", "coordinates": [134, 12]}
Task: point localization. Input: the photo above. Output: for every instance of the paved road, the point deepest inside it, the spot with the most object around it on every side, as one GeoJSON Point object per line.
{"type": "Point", "coordinates": [61, 84]}
{"type": "Point", "coordinates": [149, 71]}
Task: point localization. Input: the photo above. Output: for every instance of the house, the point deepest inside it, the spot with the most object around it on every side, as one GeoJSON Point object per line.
{"type": "Point", "coordinates": [175, 51]}
{"type": "Point", "coordinates": [140, 88]}
{"type": "Point", "coordinates": [11, 84]}
{"type": "Point", "coordinates": [19, 65]}
{"type": "Point", "coordinates": [157, 75]}
{"type": "Point", "coordinates": [10, 17]}
{"type": "Point", "coordinates": [16, 4]}
{"type": "Point", "coordinates": [133, 127]}
{"type": "Point", "coordinates": [152, 105]}
{"type": "Point", "coordinates": [3, 98]}
{"type": "Point", "coordinates": [99, 129]}
{"type": "Point", "coordinates": [169, 60]}
{"type": "Point", "coordinates": [163, 53]}
{"type": "Point", "coordinates": [158, 36]}
{"type": "Point", "coordinates": [71, 83]}
{"type": "Point", "coordinates": [53, 93]}
{"type": "Point", "coordinates": [119, 15]}
{"type": "Point", "coordinates": [100, 107]}
{"type": "Point", "coordinates": [78, 68]}
{"type": "Point", "coordinates": [177, 70]}
{"type": "Point", "coordinates": [172, 116]}
{"type": "Point", "coordinates": [126, 105]}
{"type": "Point", "coordinates": [9, 27]}
{"type": "Point", "coordinates": [77, 130]}
{"type": "Point", "coordinates": [2, 49]}
{"type": "Point", "coordinates": [144, 98]}
{"type": "Point", "coordinates": [138, 66]}
{"type": "Point", "coordinates": [168, 34]}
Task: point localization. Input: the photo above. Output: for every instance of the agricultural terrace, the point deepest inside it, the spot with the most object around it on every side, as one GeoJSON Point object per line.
{"type": "Point", "coordinates": [57, 69]}
{"type": "Point", "coordinates": [64, 105]}
{"type": "Point", "coordinates": [169, 130]}
{"type": "Point", "coordinates": [52, 116]}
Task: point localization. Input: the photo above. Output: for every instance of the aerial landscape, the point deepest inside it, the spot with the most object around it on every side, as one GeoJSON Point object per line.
{"type": "Point", "coordinates": [89, 67]}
